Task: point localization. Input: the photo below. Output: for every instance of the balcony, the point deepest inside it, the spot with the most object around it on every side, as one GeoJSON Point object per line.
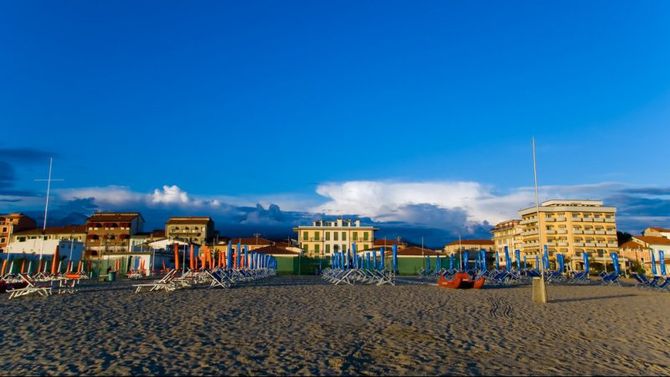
{"type": "Point", "coordinates": [533, 232]}
{"type": "Point", "coordinates": [562, 244]}
{"type": "Point", "coordinates": [551, 231]}
{"type": "Point", "coordinates": [576, 219]}
{"type": "Point", "coordinates": [562, 231]}
{"type": "Point", "coordinates": [560, 218]}
{"type": "Point", "coordinates": [577, 231]}
{"type": "Point", "coordinates": [600, 232]}
{"type": "Point", "coordinates": [588, 231]}
{"type": "Point", "coordinates": [609, 220]}
{"type": "Point", "coordinates": [524, 222]}
{"type": "Point", "coordinates": [589, 244]}
{"type": "Point", "coordinates": [601, 244]}
{"type": "Point", "coordinates": [579, 244]}
{"type": "Point", "coordinates": [612, 244]}
{"type": "Point", "coordinates": [610, 232]}
{"type": "Point", "coordinates": [588, 219]}
{"type": "Point", "coordinates": [550, 219]}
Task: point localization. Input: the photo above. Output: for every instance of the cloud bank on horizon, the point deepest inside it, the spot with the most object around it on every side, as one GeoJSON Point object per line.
{"type": "Point", "coordinates": [438, 211]}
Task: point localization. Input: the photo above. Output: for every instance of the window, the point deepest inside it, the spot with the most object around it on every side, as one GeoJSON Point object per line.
{"type": "Point", "coordinates": [344, 236]}
{"type": "Point", "coordinates": [305, 236]}
{"type": "Point", "coordinates": [317, 248]}
{"type": "Point", "coordinates": [365, 236]}
{"type": "Point", "coordinates": [336, 247]}
{"type": "Point", "coordinates": [305, 247]}
{"type": "Point", "coordinates": [327, 236]}
{"type": "Point", "coordinates": [335, 234]}
{"type": "Point", "coordinates": [316, 236]}
{"type": "Point", "coordinates": [354, 236]}
{"type": "Point", "coordinates": [327, 248]}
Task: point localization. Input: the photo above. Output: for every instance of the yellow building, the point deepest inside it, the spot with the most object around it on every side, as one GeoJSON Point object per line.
{"type": "Point", "coordinates": [456, 246]}
{"type": "Point", "coordinates": [193, 229]}
{"type": "Point", "coordinates": [569, 227]}
{"type": "Point", "coordinates": [323, 238]}
{"type": "Point", "coordinates": [507, 233]}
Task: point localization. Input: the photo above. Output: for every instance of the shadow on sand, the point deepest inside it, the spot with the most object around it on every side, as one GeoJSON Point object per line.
{"type": "Point", "coordinates": [590, 298]}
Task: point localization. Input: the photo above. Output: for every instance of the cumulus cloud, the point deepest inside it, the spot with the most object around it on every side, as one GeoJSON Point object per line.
{"type": "Point", "coordinates": [114, 195]}
{"type": "Point", "coordinates": [170, 195]}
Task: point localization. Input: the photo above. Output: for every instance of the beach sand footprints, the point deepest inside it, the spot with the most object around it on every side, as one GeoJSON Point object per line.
{"type": "Point", "coordinates": [500, 307]}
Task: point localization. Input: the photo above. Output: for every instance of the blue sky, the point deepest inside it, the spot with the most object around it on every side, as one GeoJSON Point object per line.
{"type": "Point", "coordinates": [288, 102]}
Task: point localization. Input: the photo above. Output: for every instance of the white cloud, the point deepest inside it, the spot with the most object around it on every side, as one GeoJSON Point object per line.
{"type": "Point", "coordinates": [386, 201]}
{"type": "Point", "coordinates": [170, 195]}
{"type": "Point", "coordinates": [115, 195]}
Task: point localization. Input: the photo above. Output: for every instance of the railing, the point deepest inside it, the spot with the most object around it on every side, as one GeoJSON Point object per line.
{"type": "Point", "coordinates": [560, 218]}
{"type": "Point", "coordinates": [601, 244]}
{"type": "Point", "coordinates": [562, 231]}
{"type": "Point", "coordinates": [614, 244]}
{"type": "Point", "coordinates": [551, 231]}
{"type": "Point", "coordinates": [589, 231]}
{"type": "Point", "coordinates": [579, 244]}
{"type": "Point", "coordinates": [562, 244]}
{"type": "Point", "coordinates": [587, 219]}
{"type": "Point", "coordinates": [609, 220]}
{"type": "Point", "coordinates": [577, 219]}
{"type": "Point", "coordinates": [577, 231]}
{"type": "Point", "coordinates": [600, 232]}
{"type": "Point", "coordinates": [610, 232]}
{"type": "Point", "coordinates": [589, 244]}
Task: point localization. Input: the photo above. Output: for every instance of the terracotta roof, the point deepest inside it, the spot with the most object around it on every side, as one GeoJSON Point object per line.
{"type": "Point", "coordinates": [251, 241]}
{"type": "Point", "coordinates": [659, 229]}
{"type": "Point", "coordinates": [189, 220]}
{"type": "Point", "coordinates": [383, 242]}
{"type": "Point", "coordinates": [274, 250]}
{"type": "Point", "coordinates": [631, 245]}
{"type": "Point", "coordinates": [416, 251]}
{"type": "Point", "coordinates": [113, 216]}
{"type": "Point", "coordinates": [652, 240]}
{"type": "Point", "coordinates": [471, 242]}
{"type": "Point", "coordinates": [68, 229]}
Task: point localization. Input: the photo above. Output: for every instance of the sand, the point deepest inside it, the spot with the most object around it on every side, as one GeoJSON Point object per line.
{"type": "Point", "coordinates": [301, 325]}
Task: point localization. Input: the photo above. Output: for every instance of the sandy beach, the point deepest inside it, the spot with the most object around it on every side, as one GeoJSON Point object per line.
{"type": "Point", "coordinates": [301, 325]}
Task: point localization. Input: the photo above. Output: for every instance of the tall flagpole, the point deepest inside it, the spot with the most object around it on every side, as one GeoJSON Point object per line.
{"type": "Point", "coordinates": [541, 296]}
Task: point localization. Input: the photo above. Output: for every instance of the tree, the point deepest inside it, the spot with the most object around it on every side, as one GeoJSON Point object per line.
{"type": "Point", "coordinates": [623, 237]}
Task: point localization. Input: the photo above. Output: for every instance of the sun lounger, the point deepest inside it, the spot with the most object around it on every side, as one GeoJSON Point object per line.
{"type": "Point", "coordinates": [168, 284]}
{"type": "Point", "coordinates": [41, 288]}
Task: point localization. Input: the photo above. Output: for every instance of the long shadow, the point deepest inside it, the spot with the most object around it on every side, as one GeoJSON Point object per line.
{"type": "Point", "coordinates": [589, 298]}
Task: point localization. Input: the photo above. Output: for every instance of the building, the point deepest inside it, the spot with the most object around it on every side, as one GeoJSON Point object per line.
{"type": "Point", "coordinates": [569, 227]}
{"type": "Point", "coordinates": [640, 248]}
{"type": "Point", "coordinates": [471, 245]}
{"type": "Point", "coordinates": [110, 232]}
{"type": "Point", "coordinates": [11, 223]}
{"type": "Point", "coordinates": [194, 229]}
{"type": "Point", "coordinates": [33, 248]}
{"type": "Point", "coordinates": [657, 232]}
{"type": "Point", "coordinates": [68, 232]}
{"type": "Point", "coordinates": [387, 245]}
{"type": "Point", "coordinates": [507, 233]}
{"type": "Point", "coordinates": [323, 238]}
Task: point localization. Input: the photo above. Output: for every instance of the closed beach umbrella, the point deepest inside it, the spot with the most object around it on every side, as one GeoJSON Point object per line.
{"type": "Point", "coordinates": [176, 256]}
{"type": "Point", "coordinates": [246, 256]}
{"type": "Point", "coordinates": [507, 260]}
{"type": "Point", "coordinates": [561, 262]}
{"type": "Point", "coordinates": [238, 254]}
{"type": "Point", "coordinates": [545, 259]}
{"type": "Point", "coordinates": [191, 255]}
{"type": "Point", "coordinates": [394, 251]}
{"type": "Point", "coordinates": [4, 265]}
{"type": "Point", "coordinates": [586, 262]}
{"type": "Point", "coordinates": [482, 253]}
{"type": "Point", "coordinates": [354, 252]}
{"type": "Point", "coordinates": [438, 263]}
{"type": "Point", "coordinates": [653, 263]}
{"type": "Point", "coordinates": [537, 262]}
{"type": "Point", "coordinates": [517, 255]}
{"type": "Point", "coordinates": [374, 259]}
{"type": "Point", "coordinates": [381, 262]}
{"type": "Point", "coordinates": [466, 257]}
{"type": "Point", "coordinates": [525, 265]}
{"type": "Point", "coordinates": [54, 261]}
{"type": "Point", "coordinates": [451, 261]}
{"type": "Point", "coordinates": [661, 261]}
{"type": "Point", "coordinates": [615, 262]}
{"type": "Point", "coordinates": [229, 256]}
{"type": "Point", "coordinates": [497, 260]}
{"type": "Point", "coordinates": [367, 261]}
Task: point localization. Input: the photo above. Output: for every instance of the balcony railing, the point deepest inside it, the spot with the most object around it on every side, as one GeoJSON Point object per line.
{"type": "Point", "coordinates": [579, 244]}
{"type": "Point", "coordinates": [562, 244]}
{"type": "Point", "coordinates": [551, 231]}
{"type": "Point", "coordinates": [613, 244]}
{"type": "Point", "coordinates": [587, 219]}
{"type": "Point", "coordinates": [601, 244]}
{"type": "Point", "coordinates": [560, 218]}
{"type": "Point", "coordinates": [577, 231]}
{"type": "Point", "coordinates": [600, 232]}
{"type": "Point", "coordinates": [576, 219]}
{"type": "Point", "coordinates": [610, 232]}
{"type": "Point", "coordinates": [550, 219]}
{"type": "Point", "coordinates": [589, 244]}
{"type": "Point", "coordinates": [609, 220]}
{"type": "Point", "coordinates": [588, 231]}
{"type": "Point", "coordinates": [562, 231]}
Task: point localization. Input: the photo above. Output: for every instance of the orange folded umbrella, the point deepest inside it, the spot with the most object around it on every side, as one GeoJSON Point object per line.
{"type": "Point", "coordinates": [176, 256]}
{"type": "Point", "coordinates": [54, 261]}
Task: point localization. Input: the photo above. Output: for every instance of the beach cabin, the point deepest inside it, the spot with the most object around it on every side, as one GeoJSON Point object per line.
{"type": "Point", "coordinates": [26, 254]}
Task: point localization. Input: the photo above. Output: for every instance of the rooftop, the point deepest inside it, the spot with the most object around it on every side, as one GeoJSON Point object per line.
{"type": "Point", "coordinates": [189, 220]}
{"type": "Point", "coordinates": [652, 240]}
{"type": "Point", "coordinates": [471, 242]}
{"type": "Point", "coordinates": [68, 229]}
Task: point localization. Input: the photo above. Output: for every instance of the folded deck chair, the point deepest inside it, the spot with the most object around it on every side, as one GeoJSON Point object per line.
{"type": "Point", "coordinates": [218, 278]}
{"type": "Point", "coordinates": [167, 283]}
{"type": "Point", "coordinates": [41, 288]}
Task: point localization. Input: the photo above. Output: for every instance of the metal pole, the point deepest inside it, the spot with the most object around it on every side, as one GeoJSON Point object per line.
{"type": "Point", "coordinates": [543, 291]}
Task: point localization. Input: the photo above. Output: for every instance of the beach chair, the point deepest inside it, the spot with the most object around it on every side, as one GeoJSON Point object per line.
{"type": "Point", "coordinates": [41, 288]}
{"type": "Point", "coordinates": [642, 280]}
{"type": "Point", "coordinates": [167, 283]}
{"type": "Point", "coordinates": [610, 278]}
{"type": "Point", "coordinates": [218, 278]}
{"type": "Point", "coordinates": [69, 281]}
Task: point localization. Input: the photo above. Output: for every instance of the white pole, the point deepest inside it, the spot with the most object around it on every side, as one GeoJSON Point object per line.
{"type": "Point", "coordinates": [543, 291]}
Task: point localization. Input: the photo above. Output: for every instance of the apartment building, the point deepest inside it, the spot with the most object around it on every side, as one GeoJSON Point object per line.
{"type": "Point", "coordinates": [641, 248]}
{"type": "Point", "coordinates": [68, 232]}
{"type": "Point", "coordinates": [657, 232]}
{"type": "Point", "coordinates": [11, 223]}
{"type": "Point", "coordinates": [110, 232]}
{"type": "Point", "coordinates": [569, 227]}
{"type": "Point", "coordinates": [507, 233]}
{"type": "Point", "coordinates": [323, 238]}
{"type": "Point", "coordinates": [193, 229]}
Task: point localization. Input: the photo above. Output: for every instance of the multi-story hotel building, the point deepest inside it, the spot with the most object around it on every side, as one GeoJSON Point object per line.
{"type": "Point", "coordinates": [323, 238]}
{"type": "Point", "coordinates": [507, 233]}
{"type": "Point", "coordinates": [110, 232]}
{"type": "Point", "coordinates": [11, 223]}
{"type": "Point", "coordinates": [569, 227]}
{"type": "Point", "coordinates": [68, 232]}
{"type": "Point", "coordinates": [471, 245]}
{"type": "Point", "coordinates": [193, 229]}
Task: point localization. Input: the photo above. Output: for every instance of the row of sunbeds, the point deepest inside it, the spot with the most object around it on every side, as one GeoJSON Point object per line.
{"type": "Point", "coordinates": [41, 284]}
{"type": "Point", "coordinates": [351, 276]}
{"type": "Point", "coordinates": [219, 277]}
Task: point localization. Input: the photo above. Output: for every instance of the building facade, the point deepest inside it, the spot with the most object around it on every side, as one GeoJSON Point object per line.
{"type": "Point", "coordinates": [11, 223]}
{"type": "Point", "coordinates": [68, 232]}
{"type": "Point", "coordinates": [193, 229]}
{"type": "Point", "coordinates": [640, 249]}
{"type": "Point", "coordinates": [323, 238]}
{"type": "Point", "coordinates": [657, 232]}
{"type": "Point", "coordinates": [470, 245]}
{"type": "Point", "coordinates": [569, 227]}
{"type": "Point", "coordinates": [110, 232]}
